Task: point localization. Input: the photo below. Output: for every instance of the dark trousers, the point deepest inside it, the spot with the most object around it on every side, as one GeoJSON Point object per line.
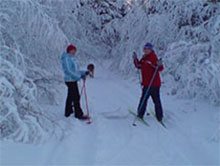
{"type": "Point", "coordinates": [73, 100]}
{"type": "Point", "coordinates": [154, 92]}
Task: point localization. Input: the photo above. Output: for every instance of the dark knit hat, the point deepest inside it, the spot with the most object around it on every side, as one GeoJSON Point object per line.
{"type": "Point", "coordinates": [149, 46]}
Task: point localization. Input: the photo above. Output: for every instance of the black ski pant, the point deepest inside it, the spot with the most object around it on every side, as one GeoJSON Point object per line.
{"type": "Point", "coordinates": [73, 100]}
{"type": "Point", "coordinates": [154, 92]}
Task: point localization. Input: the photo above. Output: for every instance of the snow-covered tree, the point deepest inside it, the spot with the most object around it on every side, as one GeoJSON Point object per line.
{"type": "Point", "coordinates": [33, 34]}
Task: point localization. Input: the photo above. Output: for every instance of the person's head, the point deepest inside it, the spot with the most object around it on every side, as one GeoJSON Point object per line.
{"type": "Point", "coordinates": [148, 48]}
{"type": "Point", "coordinates": [71, 49]}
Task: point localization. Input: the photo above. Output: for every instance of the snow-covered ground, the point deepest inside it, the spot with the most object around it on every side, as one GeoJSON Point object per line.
{"type": "Point", "coordinates": [191, 137]}
{"type": "Point", "coordinates": [33, 34]}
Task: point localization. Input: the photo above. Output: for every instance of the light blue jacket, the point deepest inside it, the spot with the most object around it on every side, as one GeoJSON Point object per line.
{"type": "Point", "coordinates": [70, 68]}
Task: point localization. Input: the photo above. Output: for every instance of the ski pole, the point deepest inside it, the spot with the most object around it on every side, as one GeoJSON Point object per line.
{"type": "Point", "coordinates": [139, 77]}
{"type": "Point", "coordinates": [86, 100]}
{"type": "Point", "coordinates": [82, 90]}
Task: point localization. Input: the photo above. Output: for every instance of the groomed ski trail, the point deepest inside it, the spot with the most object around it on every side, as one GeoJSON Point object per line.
{"type": "Point", "coordinates": [112, 140]}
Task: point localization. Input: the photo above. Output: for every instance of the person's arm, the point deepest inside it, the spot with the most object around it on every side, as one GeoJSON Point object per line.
{"type": "Point", "coordinates": [152, 61]}
{"type": "Point", "coordinates": [156, 63]}
{"type": "Point", "coordinates": [136, 62]}
{"type": "Point", "coordinates": [82, 72]}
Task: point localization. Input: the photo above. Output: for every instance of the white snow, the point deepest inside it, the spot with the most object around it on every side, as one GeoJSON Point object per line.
{"type": "Point", "coordinates": [112, 140]}
{"type": "Point", "coordinates": [34, 33]}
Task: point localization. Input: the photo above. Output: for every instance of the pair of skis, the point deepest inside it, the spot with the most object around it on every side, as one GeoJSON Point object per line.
{"type": "Point", "coordinates": [143, 121]}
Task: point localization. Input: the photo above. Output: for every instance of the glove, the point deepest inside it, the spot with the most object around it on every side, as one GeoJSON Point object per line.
{"type": "Point", "coordinates": [134, 55]}
{"type": "Point", "coordinates": [87, 73]}
{"type": "Point", "coordinates": [160, 62]}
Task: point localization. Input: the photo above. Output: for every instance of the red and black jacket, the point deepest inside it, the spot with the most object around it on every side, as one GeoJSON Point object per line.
{"type": "Point", "coordinates": [148, 66]}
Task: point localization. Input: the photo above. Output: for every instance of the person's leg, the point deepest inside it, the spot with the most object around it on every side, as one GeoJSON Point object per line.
{"type": "Point", "coordinates": [76, 101]}
{"type": "Point", "coordinates": [69, 99]}
{"type": "Point", "coordinates": [143, 102]}
{"type": "Point", "coordinates": [157, 102]}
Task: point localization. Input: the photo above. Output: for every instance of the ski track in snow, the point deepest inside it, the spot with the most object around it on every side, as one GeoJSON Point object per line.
{"type": "Point", "coordinates": [112, 140]}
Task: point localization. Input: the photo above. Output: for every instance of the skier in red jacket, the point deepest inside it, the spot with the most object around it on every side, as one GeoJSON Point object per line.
{"type": "Point", "coordinates": [148, 64]}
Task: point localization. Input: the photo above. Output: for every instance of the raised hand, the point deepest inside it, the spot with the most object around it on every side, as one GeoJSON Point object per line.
{"type": "Point", "coordinates": [134, 55]}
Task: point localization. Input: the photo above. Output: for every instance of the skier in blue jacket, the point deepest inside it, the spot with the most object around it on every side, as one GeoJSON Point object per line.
{"type": "Point", "coordinates": [72, 74]}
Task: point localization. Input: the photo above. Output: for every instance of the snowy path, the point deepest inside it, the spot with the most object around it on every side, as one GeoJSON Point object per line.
{"type": "Point", "coordinates": [112, 140]}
